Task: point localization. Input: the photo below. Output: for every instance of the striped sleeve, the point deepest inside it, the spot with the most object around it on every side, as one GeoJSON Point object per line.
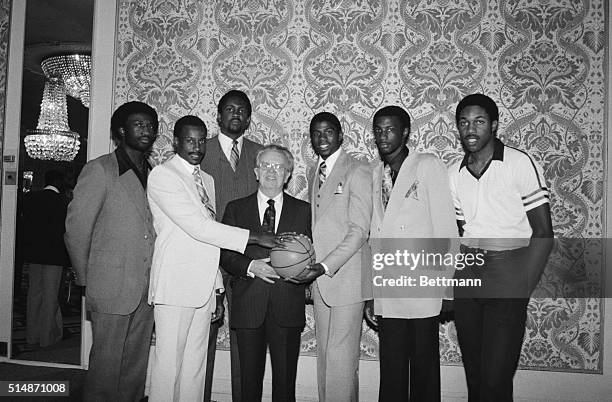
{"type": "Point", "coordinates": [531, 184]}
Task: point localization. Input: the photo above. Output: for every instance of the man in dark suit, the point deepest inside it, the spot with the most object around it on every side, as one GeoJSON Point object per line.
{"type": "Point", "coordinates": [43, 216]}
{"type": "Point", "coordinates": [230, 160]}
{"type": "Point", "coordinates": [267, 310]}
{"type": "Point", "coordinates": [110, 239]}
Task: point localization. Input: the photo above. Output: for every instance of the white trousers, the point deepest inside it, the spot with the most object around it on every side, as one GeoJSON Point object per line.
{"type": "Point", "coordinates": [178, 369]}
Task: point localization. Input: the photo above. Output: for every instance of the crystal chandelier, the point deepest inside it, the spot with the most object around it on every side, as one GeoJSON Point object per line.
{"type": "Point", "coordinates": [74, 69]}
{"type": "Point", "coordinates": [52, 139]}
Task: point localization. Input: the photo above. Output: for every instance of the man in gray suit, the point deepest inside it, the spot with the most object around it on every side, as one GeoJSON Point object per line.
{"type": "Point", "coordinates": [340, 189]}
{"type": "Point", "coordinates": [230, 160]}
{"type": "Point", "coordinates": [110, 239]}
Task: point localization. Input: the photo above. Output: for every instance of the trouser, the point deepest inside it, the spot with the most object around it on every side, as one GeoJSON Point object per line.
{"type": "Point", "coordinates": [44, 317]}
{"type": "Point", "coordinates": [119, 355]}
{"type": "Point", "coordinates": [409, 359]}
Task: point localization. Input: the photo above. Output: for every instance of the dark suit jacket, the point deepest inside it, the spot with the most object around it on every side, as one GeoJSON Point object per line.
{"type": "Point", "coordinates": [253, 296]}
{"type": "Point", "coordinates": [110, 236]}
{"type": "Point", "coordinates": [42, 219]}
{"type": "Point", "coordinates": [230, 185]}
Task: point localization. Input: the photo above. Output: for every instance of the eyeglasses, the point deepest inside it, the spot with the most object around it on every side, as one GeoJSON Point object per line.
{"type": "Point", "coordinates": [275, 167]}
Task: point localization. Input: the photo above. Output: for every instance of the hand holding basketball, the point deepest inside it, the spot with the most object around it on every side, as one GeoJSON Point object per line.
{"type": "Point", "coordinates": [294, 256]}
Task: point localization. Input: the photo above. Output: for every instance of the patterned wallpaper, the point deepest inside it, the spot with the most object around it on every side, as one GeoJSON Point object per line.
{"type": "Point", "coordinates": [542, 60]}
{"type": "Point", "coordinates": [5, 16]}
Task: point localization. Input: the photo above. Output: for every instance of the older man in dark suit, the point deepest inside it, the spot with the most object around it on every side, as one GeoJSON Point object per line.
{"type": "Point", "coordinates": [110, 239]}
{"type": "Point", "coordinates": [230, 160]}
{"type": "Point", "coordinates": [267, 310]}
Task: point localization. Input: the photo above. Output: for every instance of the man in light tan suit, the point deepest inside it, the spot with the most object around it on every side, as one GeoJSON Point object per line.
{"type": "Point", "coordinates": [341, 205]}
{"type": "Point", "coordinates": [110, 237]}
{"type": "Point", "coordinates": [185, 273]}
{"type": "Point", "coordinates": [412, 202]}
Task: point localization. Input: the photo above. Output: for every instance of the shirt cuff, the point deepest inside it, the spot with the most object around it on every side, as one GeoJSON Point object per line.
{"type": "Point", "coordinates": [248, 272]}
{"type": "Point", "coordinates": [325, 267]}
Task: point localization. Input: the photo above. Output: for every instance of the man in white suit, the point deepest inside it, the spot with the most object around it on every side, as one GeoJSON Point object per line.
{"type": "Point", "coordinates": [185, 274]}
{"type": "Point", "coordinates": [341, 205]}
{"type": "Point", "coordinates": [411, 201]}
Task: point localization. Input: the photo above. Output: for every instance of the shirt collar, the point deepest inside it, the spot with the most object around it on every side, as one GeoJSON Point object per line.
{"type": "Point", "coordinates": [330, 161]}
{"type": "Point", "coordinates": [125, 164]}
{"type": "Point", "coordinates": [188, 166]}
{"type": "Point", "coordinates": [227, 143]}
{"type": "Point", "coordinates": [262, 198]}
{"type": "Point", "coordinates": [498, 153]}
{"type": "Point", "coordinates": [52, 188]}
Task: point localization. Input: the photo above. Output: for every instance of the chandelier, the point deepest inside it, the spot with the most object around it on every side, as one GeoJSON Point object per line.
{"type": "Point", "coordinates": [74, 69]}
{"type": "Point", "coordinates": [52, 139]}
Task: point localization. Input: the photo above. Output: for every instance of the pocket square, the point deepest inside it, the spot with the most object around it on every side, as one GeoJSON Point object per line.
{"type": "Point", "coordinates": [339, 189]}
{"type": "Point", "coordinates": [412, 191]}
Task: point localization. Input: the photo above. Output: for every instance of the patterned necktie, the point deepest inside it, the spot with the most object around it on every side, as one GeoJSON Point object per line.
{"type": "Point", "coordinates": [322, 173]}
{"type": "Point", "coordinates": [387, 186]}
{"type": "Point", "coordinates": [269, 221]}
{"type": "Point", "coordinates": [234, 156]}
{"type": "Point", "coordinates": [202, 192]}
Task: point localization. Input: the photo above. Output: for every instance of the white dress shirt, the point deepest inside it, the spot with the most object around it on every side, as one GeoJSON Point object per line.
{"type": "Point", "coordinates": [227, 143]}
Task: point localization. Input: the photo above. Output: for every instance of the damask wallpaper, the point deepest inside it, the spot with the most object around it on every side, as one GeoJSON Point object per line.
{"type": "Point", "coordinates": [5, 17]}
{"type": "Point", "coordinates": [542, 60]}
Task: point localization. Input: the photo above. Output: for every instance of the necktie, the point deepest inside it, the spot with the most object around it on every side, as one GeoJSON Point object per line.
{"type": "Point", "coordinates": [202, 192]}
{"type": "Point", "coordinates": [269, 221]}
{"type": "Point", "coordinates": [234, 156]}
{"type": "Point", "coordinates": [322, 173]}
{"type": "Point", "coordinates": [387, 186]}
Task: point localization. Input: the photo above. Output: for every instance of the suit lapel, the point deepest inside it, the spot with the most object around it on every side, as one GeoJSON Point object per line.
{"type": "Point", "coordinates": [287, 216]}
{"type": "Point", "coordinates": [332, 182]}
{"type": "Point", "coordinates": [136, 193]}
{"type": "Point", "coordinates": [405, 179]}
{"type": "Point", "coordinates": [251, 214]}
{"type": "Point", "coordinates": [377, 193]}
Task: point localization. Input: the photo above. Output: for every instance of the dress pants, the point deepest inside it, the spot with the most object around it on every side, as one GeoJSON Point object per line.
{"type": "Point", "coordinates": [338, 334]}
{"type": "Point", "coordinates": [119, 355]}
{"type": "Point", "coordinates": [409, 360]}
{"type": "Point", "coordinates": [284, 343]}
{"type": "Point", "coordinates": [490, 334]}
{"type": "Point", "coordinates": [181, 345]}
{"type": "Point", "coordinates": [44, 316]}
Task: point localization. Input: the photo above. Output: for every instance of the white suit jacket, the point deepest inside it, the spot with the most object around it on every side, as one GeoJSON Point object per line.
{"type": "Point", "coordinates": [420, 207]}
{"type": "Point", "coordinates": [186, 256]}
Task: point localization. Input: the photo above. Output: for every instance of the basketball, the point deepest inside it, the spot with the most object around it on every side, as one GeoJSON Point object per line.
{"type": "Point", "coordinates": [292, 260]}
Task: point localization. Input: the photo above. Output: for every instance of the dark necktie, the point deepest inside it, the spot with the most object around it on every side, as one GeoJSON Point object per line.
{"type": "Point", "coordinates": [269, 221]}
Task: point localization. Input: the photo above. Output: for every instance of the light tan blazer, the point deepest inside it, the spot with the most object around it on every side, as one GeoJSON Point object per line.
{"type": "Point", "coordinates": [341, 213]}
{"type": "Point", "coordinates": [420, 207]}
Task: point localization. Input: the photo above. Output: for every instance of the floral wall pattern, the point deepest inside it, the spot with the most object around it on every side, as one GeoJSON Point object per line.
{"type": "Point", "coordinates": [5, 17]}
{"type": "Point", "coordinates": [542, 60]}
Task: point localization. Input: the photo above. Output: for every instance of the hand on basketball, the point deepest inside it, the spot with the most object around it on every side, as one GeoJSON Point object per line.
{"type": "Point", "coordinates": [309, 274]}
{"type": "Point", "coordinates": [217, 315]}
{"type": "Point", "coordinates": [263, 271]}
{"type": "Point", "coordinates": [266, 239]}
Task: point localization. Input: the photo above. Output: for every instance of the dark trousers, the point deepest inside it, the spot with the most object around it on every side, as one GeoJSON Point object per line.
{"type": "Point", "coordinates": [284, 343]}
{"type": "Point", "coordinates": [409, 360]}
{"type": "Point", "coordinates": [119, 355]}
{"type": "Point", "coordinates": [490, 334]}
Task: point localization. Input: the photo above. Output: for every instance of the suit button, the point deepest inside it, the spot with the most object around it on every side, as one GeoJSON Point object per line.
{"type": "Point", "coordinates": [146, 236]}
{"type": "Point", "coordinates": [317, 205]}
{"type": "Point", "coordinates": [318, 195]}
